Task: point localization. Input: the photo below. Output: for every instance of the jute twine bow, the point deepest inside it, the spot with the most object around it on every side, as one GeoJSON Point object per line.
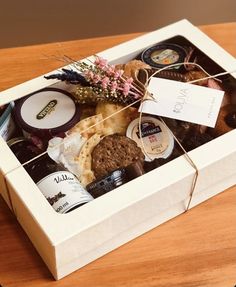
{"type": "Point", "coordinates": [147, 97]}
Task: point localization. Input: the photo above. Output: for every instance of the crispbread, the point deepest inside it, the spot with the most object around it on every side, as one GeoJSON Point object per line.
{"type": "Point", "coordinates": [117, 123]}
{"type": "Point", "coordinates": [84, 159]}
{"type": "Point", "coordinates": [88, 126]}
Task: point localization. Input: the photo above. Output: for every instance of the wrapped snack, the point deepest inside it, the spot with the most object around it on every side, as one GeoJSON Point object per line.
{"type": "Point", "coordinates": [74, 150]}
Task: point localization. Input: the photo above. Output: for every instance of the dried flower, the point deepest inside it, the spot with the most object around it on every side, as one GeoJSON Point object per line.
{"type": "Point", "coordinates": [118, 74]}
{"type": "Point", "coordinates": [106, 82]}
{"type": "Point", "coordinates": [114, 86]}
{"type": "Point", "coordinates": [109, 81]}
{"type": "Point", "coordinates": [96, 78]}
{"type": "Point", "coordinates": [100, 63]}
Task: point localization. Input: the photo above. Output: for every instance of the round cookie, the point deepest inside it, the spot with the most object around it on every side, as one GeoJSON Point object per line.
{"type": "Point", "coordinates": [112, 152]}
{"type": "Point", "coordinates": [226, 120]}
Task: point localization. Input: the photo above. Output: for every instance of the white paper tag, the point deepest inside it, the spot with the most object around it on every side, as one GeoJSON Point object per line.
{"type": "Point", "coordinates": [183, 101]}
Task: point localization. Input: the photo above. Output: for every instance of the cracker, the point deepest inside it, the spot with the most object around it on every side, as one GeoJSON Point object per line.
{"type": "Point", "coordinates": [88, 126]}
{"type": "Point", "coordinates": [84, 159]}
{"type": "Point", "coordinates": [119, 122]}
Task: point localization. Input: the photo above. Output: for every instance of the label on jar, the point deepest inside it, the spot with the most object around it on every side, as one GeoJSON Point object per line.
{"type": "Point", "coordinates": [63, 191]}
{"type": "Point", "coordinates": [157, 142]}
{"type": "Point", "coordinates": [47, 109]}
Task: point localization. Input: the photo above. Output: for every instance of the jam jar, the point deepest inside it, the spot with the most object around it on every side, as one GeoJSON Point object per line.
{"type": "Point", "coordinates": [60, 187]}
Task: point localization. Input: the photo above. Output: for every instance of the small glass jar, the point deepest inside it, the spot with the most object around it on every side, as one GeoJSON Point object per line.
{"type": "Point", "coordinates": [107, 183]}
{"type": "Point", "coordinates": [60, 187]}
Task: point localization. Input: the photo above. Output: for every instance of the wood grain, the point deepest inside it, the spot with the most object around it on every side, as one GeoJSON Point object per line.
{"type": "Point", "coordinates": [195, 249]}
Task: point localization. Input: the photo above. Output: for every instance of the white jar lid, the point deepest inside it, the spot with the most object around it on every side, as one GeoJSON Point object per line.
{"type": "Point", "coordinates": [157, 141]}
{"type": "Point", "coordinates": [49, 110]}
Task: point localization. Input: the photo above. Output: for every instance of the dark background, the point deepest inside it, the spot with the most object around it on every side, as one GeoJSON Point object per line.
{"type": "Point", "coordinates": [27, 22]}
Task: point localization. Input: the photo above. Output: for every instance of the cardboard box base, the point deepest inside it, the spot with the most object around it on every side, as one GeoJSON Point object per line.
{"type": "Point", "coordinates": [142, 228]}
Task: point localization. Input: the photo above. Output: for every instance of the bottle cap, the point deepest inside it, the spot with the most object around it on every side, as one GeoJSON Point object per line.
{"type": "Point", "coordinates": [107, 183]}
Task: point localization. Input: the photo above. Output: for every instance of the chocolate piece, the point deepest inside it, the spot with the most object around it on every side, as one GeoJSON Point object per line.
{"type": "Point", "coordinates": [134, 170]}
{"type": "Point", "coordinates": [230, 119]}
{"type": "Point", "coordinates": [113, 152]}
{"type": "Point", "coordinates": [148, 166]}
{"type": "Point", "coordinates": [225, 122]}
{"type": "Point", "coordinates": [196, 140]}
{"type": "Point", "coordinates": [157, 162]}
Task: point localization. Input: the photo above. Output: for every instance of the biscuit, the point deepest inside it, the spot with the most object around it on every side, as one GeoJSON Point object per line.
{"type": "Point", "coordinates": [112, 152]}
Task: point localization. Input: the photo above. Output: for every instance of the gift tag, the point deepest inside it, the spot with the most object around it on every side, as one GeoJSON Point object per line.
{"type": "Point", "coordinates": [183, 101]}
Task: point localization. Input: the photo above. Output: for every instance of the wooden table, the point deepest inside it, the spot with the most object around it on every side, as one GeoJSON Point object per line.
{"type": "Point", "coordinates": [197, 248]}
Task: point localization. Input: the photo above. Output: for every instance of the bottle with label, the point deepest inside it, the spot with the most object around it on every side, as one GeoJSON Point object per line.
{"type": "Point", "coordinates": [61, 188]}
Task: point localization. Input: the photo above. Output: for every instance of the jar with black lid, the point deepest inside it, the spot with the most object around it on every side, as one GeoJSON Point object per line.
{"type": "Point", "coordinates": [60, 187]}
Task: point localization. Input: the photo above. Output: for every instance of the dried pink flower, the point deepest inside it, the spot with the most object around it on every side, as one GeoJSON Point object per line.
{"type": "Point", "coordinates": [114, 86]}
{"type": "Point", "coordinates": [126, 88]}
{"type": "Point", "coordinates": [105, 82]}
{"type": "Point", "coordinates": [110, 70]}
{"type": "Point", "coordinates": [108, 80]}
{"type": "Point", "coordinates": [129, 80]}
{"type": "Point", "coordinates": [118, 74]}
{"type": "Point", "coordinates": [89, 74]}
{"type": "Point", "coordinates": [96, 78]}
{"type": "Point", "coordinates": [100, 62]}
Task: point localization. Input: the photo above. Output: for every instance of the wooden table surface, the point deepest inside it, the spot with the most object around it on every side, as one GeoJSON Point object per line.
{"type": "Point", "coordinates": [197, 248]}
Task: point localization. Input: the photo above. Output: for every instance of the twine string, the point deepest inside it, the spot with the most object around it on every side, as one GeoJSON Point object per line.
{"type": "Point", "coordinates": [147, 96]}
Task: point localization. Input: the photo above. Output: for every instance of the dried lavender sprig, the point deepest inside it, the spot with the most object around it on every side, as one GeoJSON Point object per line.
{"type": "Point", "coordinates": [70, 76]}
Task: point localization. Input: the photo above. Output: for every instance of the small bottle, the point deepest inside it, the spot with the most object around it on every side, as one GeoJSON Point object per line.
{"type": "Point", "coordinates": [60, 187]}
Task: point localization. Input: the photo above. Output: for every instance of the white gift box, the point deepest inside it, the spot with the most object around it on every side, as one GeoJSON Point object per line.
{"type": "Point", "coordinates": [67, 242]}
